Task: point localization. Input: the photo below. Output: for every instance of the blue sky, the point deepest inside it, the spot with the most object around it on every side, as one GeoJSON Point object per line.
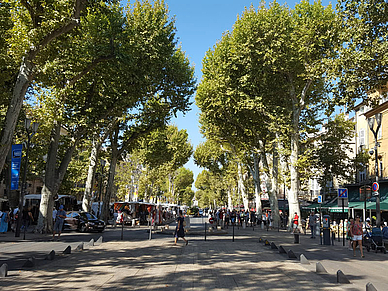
{"type": "Point", "coordinates": [199, 25]}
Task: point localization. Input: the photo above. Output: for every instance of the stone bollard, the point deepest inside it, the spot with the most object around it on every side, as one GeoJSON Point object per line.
{"type": "Point", "coordinates": [99, 241]}
{"type": "Point", "coordinates": [80, 247]}
{"type": "Point", "coordinates": [67, 250]}
{"type": "Point", "coordinates": [267, 243]}
{"type": "Point", "coordinates": [303, 259]}
{"type": "Point", "coordinates": [4, 270]}
{"type": "Point", "coordinates": [341, 278]}
{"type": "Point", "coordinates": [29, 263]}
{"type": "Point", "coordinates": [320, 268]}
{"type": "Point", "coordinates": [50, 256]}
{"type": "Point", "coordinates": [282, 250]}
{"type": "Point", "coordinates": [291, 254]}
{"type": "Point", "coordinates": [370, 287]}
{"type": "Point", "coordinates": [273, 246]}
{"type": "Point", "coordinates": [91, 242]}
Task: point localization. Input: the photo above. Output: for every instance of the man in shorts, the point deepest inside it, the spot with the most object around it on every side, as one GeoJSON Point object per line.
{"type": "Point", "coordinates": [61, 215]}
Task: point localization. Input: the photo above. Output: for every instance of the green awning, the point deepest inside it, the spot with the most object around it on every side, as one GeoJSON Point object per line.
{"type": "Point", "coordinates": [383, 205]}
{"type": "Point", "coordinates": [338, 209]}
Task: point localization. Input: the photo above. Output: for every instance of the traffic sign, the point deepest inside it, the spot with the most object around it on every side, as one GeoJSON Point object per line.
{"type": "Point", "coordinates": [376, 193]}
{"type": "Point", "coordinates": [375, 187]}
{"type": "Point", "coordinates": [319, 198]}
{"type": "Point", "coordinates": [342, 193]}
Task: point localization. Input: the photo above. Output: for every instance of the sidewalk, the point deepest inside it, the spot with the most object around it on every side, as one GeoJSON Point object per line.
{"type": "Point", "coordinates": [158, 264]}
{"type": "Point", "coordinates": [217, 263]}
{"type": "Point", "coordinates": [358, 270]}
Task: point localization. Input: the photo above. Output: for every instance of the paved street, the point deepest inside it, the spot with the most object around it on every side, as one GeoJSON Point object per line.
{"type": "Point", "coordinates": [218, 263]}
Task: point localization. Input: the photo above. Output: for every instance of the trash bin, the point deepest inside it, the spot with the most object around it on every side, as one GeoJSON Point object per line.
{"type": "Point", "coordinates": [296, 238]}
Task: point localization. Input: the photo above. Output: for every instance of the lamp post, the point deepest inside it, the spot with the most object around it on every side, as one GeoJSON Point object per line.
{"type": "Point", "coordinates": [371, 122]}
{"type": "Point", "coordinates": [102, 163]}
{"type": "Point", "coordinates": [31, 130]}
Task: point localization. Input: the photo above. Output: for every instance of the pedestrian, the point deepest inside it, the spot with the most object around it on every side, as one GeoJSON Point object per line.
{"type": "Point", "coordinates": [54, 214]}
{"type": "Point", "coordinates": [269, 218]}
{"type": "Point", "coordinates": [27, 218]}
{"type": "Point", "coordinates": [295, 222]}
{"type": "Point", "coordinates": [348, 233]}
{"type": "Point", "coordinates": [312, 223]}
{"type": "Point", "coordinates": [4, 221]}
{"type": "Point", "coordinates": [180, 231]}
{"type": "Point", "coordinates": [59, 219]}
{"type": "Point", "coordinates": [356, 232]}
{"type": "Point", "coordinates": [264, 220]}
{"type": "Point", "coordinates": [15, 216]}
{"type": "Point", "coordinates": [227, 218]}
{"type": "Point", "coordinates": [233, 217]}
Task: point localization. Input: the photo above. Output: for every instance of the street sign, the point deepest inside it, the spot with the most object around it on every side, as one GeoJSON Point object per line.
{"type": "Point", "coordinates": [342, 202]}
{"type": "Point", "coordinates": [375, 187]}
{"type": "Point", "coordinates": [342, 193]}
{"type": "Point", "coordinates": [376, 193]}
{"type": "Point", "coordinates": [319, 198]}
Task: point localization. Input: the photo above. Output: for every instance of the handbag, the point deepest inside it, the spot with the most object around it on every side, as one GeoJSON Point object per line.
{"type": "Point", "coordinates": [184, 223]}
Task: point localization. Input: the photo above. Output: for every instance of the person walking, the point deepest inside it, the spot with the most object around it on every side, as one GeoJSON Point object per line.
{"type": "Point", "coordinates": [348, 233]}
{"type": "Point", "coordinates": [295, 222]}
{"type": "Point", "coordinates": [180, 231]}
{"type": "Point", "coordinates": [312, 223]}
{"type": "Point", "coordinates": [356, 232]}
{"type": "Point", "coordinates": [4, 221]}
{"type": "Point", "coordinates": [61, 215]}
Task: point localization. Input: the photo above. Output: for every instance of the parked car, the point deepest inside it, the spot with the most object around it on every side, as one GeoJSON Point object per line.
{"type": "Point", "coordinates": [83, 221]}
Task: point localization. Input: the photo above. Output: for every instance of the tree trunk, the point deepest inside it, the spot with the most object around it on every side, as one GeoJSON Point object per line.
{"type": "Point", "coordinates": [241, 187]}
{"type": "Point", "coordinates": [86, 201]}
{"type": "Point", "coordinates": [22, 83]}
{"type": "Point", "coordinates": [111, 175]}
{"type": "Point", "coordinates": [52, 179]}
{"type": "Point", "coordinates": [230, 205]}
{"type": "Point", "coordinates": [45, 216]}
{"type": "Point", "coordinates": [256, 180]}
{"type": "Point", "coordinates": [293, 202]}
{"type": "Point", "coordinates": [273, 198]}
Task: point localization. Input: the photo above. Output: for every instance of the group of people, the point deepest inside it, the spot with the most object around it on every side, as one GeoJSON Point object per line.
{"type": "Point", "coordinates": [224, 218]}
{"type": "Point", "coordinates": [9, 218]}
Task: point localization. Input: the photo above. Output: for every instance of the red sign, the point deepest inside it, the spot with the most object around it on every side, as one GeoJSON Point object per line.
{"type": "Point", "coordinates": [375, 187]}
{"type": "Point", "coordinates": [211, 220]}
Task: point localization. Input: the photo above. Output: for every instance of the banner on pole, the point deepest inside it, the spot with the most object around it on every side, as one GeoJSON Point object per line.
{"type": "Point", "coordinates": [16, 161]}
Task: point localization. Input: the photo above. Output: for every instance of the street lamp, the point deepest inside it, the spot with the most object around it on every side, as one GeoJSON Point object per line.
{"type": "Point", "coordinates": [102, 163]}
{"type": "Point", "coordinates": [31, 130]}
{"type": "Point", "coordinates": [371, 122]}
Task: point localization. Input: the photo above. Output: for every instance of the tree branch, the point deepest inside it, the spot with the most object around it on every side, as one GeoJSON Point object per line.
{"type": "Point", "coordinates": [75, 21]}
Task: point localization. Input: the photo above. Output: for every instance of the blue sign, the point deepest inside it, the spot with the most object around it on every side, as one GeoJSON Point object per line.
{"type": "Point", "coordinates": [319, 198]}
{"type": "Point", "coordinates": [15, 165]}
{"type": "Point", "coordinates": [342, 193]}
{"type": "Point", "coordinates": [375, 187]}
